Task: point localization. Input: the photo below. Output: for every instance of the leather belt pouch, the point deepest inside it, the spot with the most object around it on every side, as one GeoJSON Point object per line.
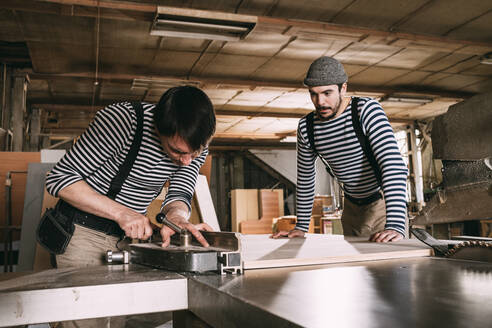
{"type": "Point", "coordinates": [55, 231]}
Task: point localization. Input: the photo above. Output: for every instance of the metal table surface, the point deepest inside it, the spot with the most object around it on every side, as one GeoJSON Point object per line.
{"type": "Point", "coordinates": [81, 293]}
{"type": "Point", "coordinates": [411, 292]}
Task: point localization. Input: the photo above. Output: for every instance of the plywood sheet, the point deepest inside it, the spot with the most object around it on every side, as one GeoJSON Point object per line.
{"type": "Point", "coordinates": [33, 202]}
{"type": "Point", "coordinates": [261, 251]}
{"type": "Point", "coordinates": [205, 203]}
{"type": "Point", "coordinates": [244, 206]}
{"type": "Point", "coordinates": [269, 204]}
{"type": "Point", "coordinates": [206, 168]}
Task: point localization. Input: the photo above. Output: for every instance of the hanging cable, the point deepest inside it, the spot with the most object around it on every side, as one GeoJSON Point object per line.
{"type": "Point", "coordinates": [96, 74]}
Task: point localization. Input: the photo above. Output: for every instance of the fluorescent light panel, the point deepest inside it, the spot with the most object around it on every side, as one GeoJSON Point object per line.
{"type": "Point", "coordinates": [201, 24]}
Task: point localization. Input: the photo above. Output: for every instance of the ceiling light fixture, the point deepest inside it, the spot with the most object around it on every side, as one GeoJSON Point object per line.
{"type": "Point", "coordinates": [486, 59]}
{"type": "Point", "coordinates": [201, 24]}
{"type": "Point", "coordinates": [407, 99]}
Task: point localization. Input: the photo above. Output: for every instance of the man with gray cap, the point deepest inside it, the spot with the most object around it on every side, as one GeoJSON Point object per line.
{"type": "Point", "coordinates": [354, 139]}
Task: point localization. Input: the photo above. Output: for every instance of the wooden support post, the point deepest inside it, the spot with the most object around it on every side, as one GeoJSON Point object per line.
{"type": "Point", "coordinates": [19, 91]}
{"type": "Point", "coordinates": [35, 129]}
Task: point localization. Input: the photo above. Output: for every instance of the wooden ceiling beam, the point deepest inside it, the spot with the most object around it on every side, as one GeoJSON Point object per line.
{"type": "Point", "coordinates": [220, 112]}
{"type": "Point", "coordinates": [31, 6]}
{"type": "Point", "coordinates": [288, 23]}
{"type": "Point", "coordinates": [89, 108]}
{"type": "Point", "coordinates": [246, 84]}
{"type": "Point", "coordinates": [120, 5]}
{"type": "Point", "coordinates": [226, 145]}
{"type": "Point", "coordinates": [77, 10]}
{"type": "Point", "coordinates": [226, 112]}
{"type": "Point", "coordinates": [363, 31]}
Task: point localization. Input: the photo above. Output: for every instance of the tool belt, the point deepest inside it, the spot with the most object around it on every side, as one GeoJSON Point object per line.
{"type": "Point", "coordinates": [88, 220]}
{"type": "Point", "coordinates": [58, 224]}
{"type": "Point", "coordinates": [54, 231]}
{"type": "Point", "coordinates": [366, 200]}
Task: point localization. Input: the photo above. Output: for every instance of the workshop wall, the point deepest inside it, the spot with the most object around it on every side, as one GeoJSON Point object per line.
{"type": "Point", "coordinates": [16, 163]}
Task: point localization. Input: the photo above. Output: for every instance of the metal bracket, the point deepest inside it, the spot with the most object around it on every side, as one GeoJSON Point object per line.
{"type": "Point", "coordinates": [223, 256]}
{"type": "Point", "coordinates": [229, 262]}
{"type": "Point", "coordinates": [121, 257]}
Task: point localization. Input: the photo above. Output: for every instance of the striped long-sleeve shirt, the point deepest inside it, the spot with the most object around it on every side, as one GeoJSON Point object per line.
{"type": "Point", "coordinates": [337, 142]}
{"type": "Point", "coordinates": [102, 148]}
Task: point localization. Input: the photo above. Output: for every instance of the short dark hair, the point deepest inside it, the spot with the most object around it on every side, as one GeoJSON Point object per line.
{"type": "Point", "coordinates": [186, 111]}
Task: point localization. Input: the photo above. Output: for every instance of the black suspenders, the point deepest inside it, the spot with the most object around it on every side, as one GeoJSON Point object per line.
{"type": "Point", "coordinates": [363, 140]}
{"type": "Point", "coordinates": [126, 166]}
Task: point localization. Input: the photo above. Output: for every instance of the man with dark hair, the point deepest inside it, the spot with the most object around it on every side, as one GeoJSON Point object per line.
{"type": "Point", "coordinates": [357, 144]}
{"type": "Point", "coordinates": [152, 144]}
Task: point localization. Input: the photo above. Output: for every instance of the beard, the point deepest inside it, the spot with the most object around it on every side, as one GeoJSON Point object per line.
{"type": "Point", "coordinates": [334, 110]}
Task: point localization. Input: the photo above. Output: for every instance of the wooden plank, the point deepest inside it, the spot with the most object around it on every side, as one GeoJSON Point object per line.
{"type": "Point", "coordinates": [286, 223]}
{"type": "Point", "coordinates": [261, 226]}
{"type": "Point", "coordinates": [244, 206]}
{"type": "Point", "coordinates": [269, 204]}
{"type": "Point", "coordinates": [206, 168]}
{"type": "Point", "coordinates": [205, 203]}
{"type": "Point", "coordinates": [260, 251]}
{"type": "Point", "coordinates": [33, 202]}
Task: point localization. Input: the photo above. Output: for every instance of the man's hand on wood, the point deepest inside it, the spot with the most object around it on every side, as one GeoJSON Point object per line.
{"type": "Point", "coordinates": [386, 236]}
{"type": "Point", "coordinates": [294, 233]}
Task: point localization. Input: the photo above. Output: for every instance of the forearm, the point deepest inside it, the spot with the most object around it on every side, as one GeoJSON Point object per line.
{"type": "Point", "coordinates": [83, 197]}
{"type": "Point", "coordinates": [176, 209]}
{"type": "Point", "coordinates": [306, 176]}
{"type": "Point", "coordinates": [178, 213]}
{"type": "Point", "coordinates": [394, 187]}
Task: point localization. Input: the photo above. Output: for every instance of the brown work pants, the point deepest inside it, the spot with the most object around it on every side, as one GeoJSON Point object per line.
{"type": "Point", "coordinates": [363, 220]}
{"type": "Point", "coordinates": [88, 248]}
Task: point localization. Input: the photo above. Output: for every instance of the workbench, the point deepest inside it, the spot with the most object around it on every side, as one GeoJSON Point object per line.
{"type": "Point", "coordinates": [92, 292]}
{"type": "Point", "coordinates": [400, 292]}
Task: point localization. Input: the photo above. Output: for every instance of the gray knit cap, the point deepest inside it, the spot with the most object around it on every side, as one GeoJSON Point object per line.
{"type": "Point", "coordinates": [325, 71]}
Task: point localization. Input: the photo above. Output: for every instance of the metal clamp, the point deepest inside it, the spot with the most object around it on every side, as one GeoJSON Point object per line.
{"type": "Point", "coordinates": [184, 235]}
